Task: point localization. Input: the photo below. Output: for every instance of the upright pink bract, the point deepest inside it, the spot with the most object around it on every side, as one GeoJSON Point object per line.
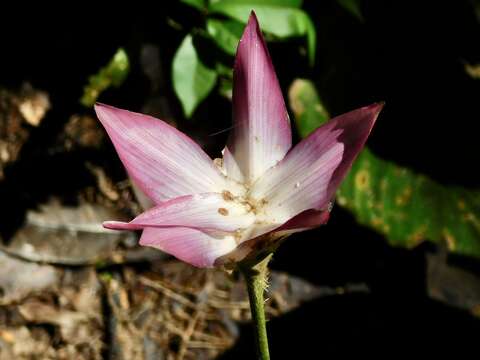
{"type": "Point", "coordinates": [210, 214]}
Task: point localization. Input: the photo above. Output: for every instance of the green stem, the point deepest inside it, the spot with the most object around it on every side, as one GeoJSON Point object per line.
{"type": "Point", "coordinates": [256, 277]}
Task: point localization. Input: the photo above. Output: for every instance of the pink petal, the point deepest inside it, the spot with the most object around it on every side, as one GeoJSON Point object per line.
{"type": "Point", "coordinates": [306, 220]}
{"type": "Point", "coordinates": [205, 212]}
{"type": "Point", "coordinates": [309, 175]}
{"type": "Point", "coordinates": [190, 245]}
{"type": "Point", "coordinates": [162, 161]}
{"type": "Point", "coordinates": [261, 135]}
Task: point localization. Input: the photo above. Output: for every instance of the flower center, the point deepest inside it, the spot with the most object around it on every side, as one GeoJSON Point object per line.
{"type": "Point", "coordinates": [250, 204]}
{"type": "Point", "coordinates": [240, 194]}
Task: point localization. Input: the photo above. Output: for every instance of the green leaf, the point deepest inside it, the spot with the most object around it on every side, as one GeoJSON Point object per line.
{"type": "Point", "coordinates": [353, 7]}
{"type": "Point", "coordinates": [225, 80]}
{"type": "Point", "coordinates": [307, 106]}
{"type": "Point", "coordinates": [226, 34]}
{"type": "Point", "coordinates": [280, 21]}
{"type": "Point", "coordinates": [409, 208]}
{"type": "Point", "coordinates": [225, 88]}
{"type": "Point", "coordinates": [113, 74]}
{"type": "Point", "coordinates": [224, 70]}
{"type": "Point", "coordinates": [406, 207]}
{"type": "Point", "coordinates": [197, 4]}
{"type": "Point", "coordinates": [192, 81]}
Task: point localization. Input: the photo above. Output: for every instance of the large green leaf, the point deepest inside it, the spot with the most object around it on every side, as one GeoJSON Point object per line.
{"type": "Point", "coordinates": [226, 34]}
{"type": "Point", "coordinates": [407, 208]}
{"type": "Point", "coordinates": [192, 81]}
{"type": "Point", "coordinates": [113, 74]}
{"type": "Point", "coordinates": [281, 21]}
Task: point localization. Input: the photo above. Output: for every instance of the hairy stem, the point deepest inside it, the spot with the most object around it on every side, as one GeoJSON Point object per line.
{"type": "Point", "coordinates": [256, 276]}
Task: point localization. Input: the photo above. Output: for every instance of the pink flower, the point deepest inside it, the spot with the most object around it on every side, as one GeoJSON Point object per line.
{"type": "Point", "coordinates": [209, 213]}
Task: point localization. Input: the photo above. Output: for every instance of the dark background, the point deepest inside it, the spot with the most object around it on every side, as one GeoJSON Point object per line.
{"type": "Point", "coordinates": [410, 54]}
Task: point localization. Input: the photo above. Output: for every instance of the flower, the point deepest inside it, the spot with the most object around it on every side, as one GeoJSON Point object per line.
{"type": "Point", "coordinates": [210, 213]}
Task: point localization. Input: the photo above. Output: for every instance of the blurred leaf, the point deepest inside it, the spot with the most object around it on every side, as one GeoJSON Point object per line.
{"type": "Point", "coordinates": [19, 278]}
{"type": "Point", "coordinates": [226, 34]}
{"type": "Point", "coordinates": [15, 128]}
{"type": "Point", "coordinates": [451, 284]}
{"type": "Point", "coordinates": [281, 21]}
{"type": "Point", "coordinates": [197, 4]}
{"type": "Point", "coordinates": [71, 235]}
{"type": "Point", "coordinates": [473, 70]}
{"type": "Point", "coordinates": [114, 74]}
{"type": "Point", "coordinates": [407, 208]}
{"type": "Point", "coordinates": [223, 70]}
{"type": "Point", "coordinates": [192, 81]}
{"type": "Point", "coordinates": [225, 80]}
{"type": "Point", "coordinates": [353, 7]}
{"type": "Point", "coordinates": [306, 102]}
{"type": "Point", "coordinates": [33, 104]}
{"type": "Point", "coordinates": [225, 87]}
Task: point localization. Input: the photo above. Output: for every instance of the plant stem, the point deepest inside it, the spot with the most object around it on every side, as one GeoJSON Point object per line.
{"type": "Point", "coordinates": [256, 277]}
